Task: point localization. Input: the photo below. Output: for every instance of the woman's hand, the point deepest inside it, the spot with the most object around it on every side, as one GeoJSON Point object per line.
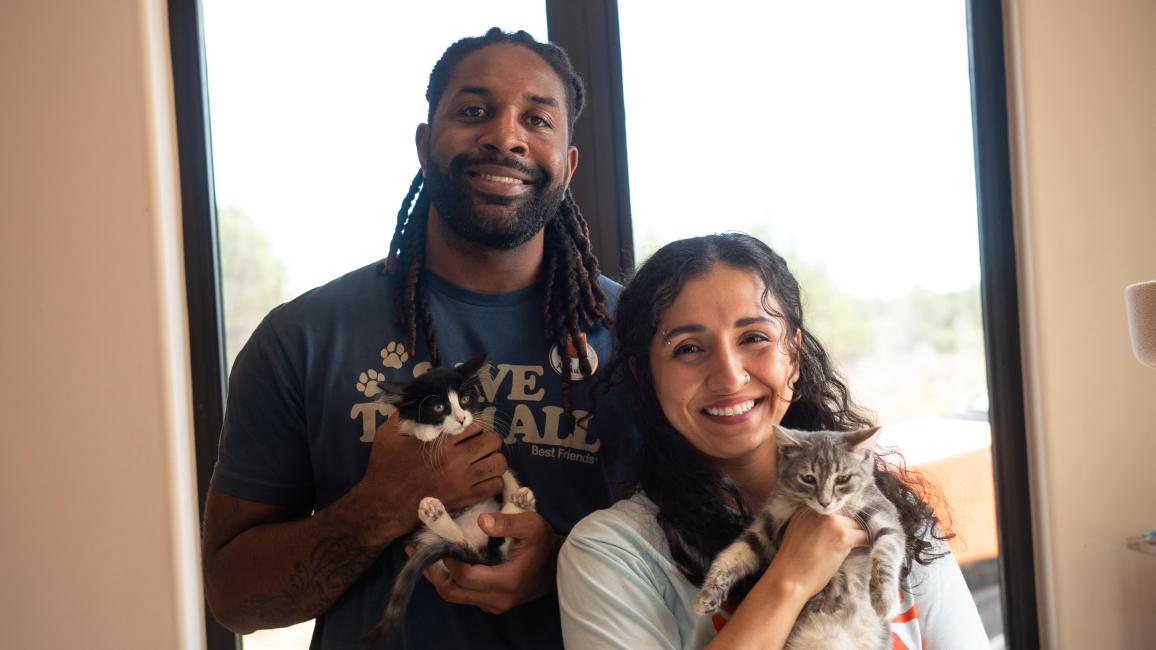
{"type": "Point", "coordinates": [813, 548]}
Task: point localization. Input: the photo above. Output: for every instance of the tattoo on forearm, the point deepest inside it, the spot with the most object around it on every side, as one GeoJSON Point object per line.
{"type": "Point", "coordinates": [314, 584]}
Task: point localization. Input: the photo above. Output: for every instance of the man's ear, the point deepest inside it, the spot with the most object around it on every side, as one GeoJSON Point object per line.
{"type": "Point", "coordinates": [421, 140]}
{"type": "Point", "coordinates": [571, 163]}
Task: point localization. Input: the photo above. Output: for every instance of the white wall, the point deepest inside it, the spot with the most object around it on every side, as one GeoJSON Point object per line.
{"type": "Point", "coordinates": [1082, 78]}
{"type": "Point", "coordinates": [97, 507]}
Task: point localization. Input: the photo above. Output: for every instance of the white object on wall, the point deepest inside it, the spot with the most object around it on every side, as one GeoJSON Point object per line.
{"type": "Point", "coordinates": [1140, 299]}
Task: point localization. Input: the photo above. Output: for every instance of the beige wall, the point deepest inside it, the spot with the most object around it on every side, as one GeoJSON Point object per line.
{"type": "Point", "coordinates": [98, 513]}
{"type": "Point", "coordinates": [1083, 86]}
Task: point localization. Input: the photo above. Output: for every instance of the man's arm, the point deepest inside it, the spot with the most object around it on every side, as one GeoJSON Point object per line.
{"type": "Point", "coordinates": [268, 566]}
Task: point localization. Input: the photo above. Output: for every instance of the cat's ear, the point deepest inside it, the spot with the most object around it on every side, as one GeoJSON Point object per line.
{"type": "Point", "coordinates": [863, 439]}
{"type": "Point", "coordinates": [471, 367]}
{"type": "Point", "coordinates": [392, 392]}
{"type": "Point", "coordinates": [785, 437]}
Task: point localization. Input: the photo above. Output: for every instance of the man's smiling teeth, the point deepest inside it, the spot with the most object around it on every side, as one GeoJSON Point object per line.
{"type": "Point", "coordinates": [501, 179]}
{"type": "Point", "coordinates": [734, 409]}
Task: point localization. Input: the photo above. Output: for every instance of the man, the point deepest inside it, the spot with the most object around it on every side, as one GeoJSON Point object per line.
{"type": "Point", "coordinates": [315, 491]}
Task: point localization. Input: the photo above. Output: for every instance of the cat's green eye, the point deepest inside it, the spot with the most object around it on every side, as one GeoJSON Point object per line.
{"type": "Point", "coordinates": [438, 407]}
{"type": "Point", "coordinates": [466, 399]}
{"type": "Point", "coordinates": [809, 479]}
{"type": "Point", "coordinates": [842, 479]}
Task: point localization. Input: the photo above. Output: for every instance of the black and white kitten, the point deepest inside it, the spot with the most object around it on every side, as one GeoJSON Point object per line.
{"type": "Point", "coordinates": [829, 472]}
{"type": "Point", "coordinates": [439, 403]}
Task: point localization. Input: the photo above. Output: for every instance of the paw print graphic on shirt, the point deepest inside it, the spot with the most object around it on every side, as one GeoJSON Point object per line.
{"type": "Point", "coordinates": [394, 355]}
{"type": "Point", "coordinates": [421, 368]}
{"type": "Point", "coordinates": [369, 383]}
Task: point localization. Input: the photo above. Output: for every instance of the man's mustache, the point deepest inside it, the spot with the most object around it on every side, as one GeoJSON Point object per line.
{"type": "Point", "coordinates": [461, 161]}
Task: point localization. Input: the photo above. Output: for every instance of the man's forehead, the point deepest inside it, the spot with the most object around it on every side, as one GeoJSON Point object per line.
{"type": "Point", "coordinates": [507, 67]}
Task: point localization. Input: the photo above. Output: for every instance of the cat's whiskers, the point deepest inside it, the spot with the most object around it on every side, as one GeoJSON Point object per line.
{"type": "Point", "coordinates": [500, 422]}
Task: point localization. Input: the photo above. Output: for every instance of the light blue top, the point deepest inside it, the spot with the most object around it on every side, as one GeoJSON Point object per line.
{"type": "Point", "coordinates": [619, 588]}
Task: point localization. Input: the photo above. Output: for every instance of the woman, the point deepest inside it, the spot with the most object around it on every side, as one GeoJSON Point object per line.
{"type": "Point", "coordinates": [712, 350]}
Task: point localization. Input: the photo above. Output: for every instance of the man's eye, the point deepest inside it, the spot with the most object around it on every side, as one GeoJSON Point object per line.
{"type": "Point", "coordinates": [473, 111]}
{"type": "Point", "coordinates": [538, 121]}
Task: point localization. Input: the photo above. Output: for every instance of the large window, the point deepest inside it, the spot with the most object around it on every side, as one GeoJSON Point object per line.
{"type": "Point", "coordinates": [313, 108]}
{"type": "Point", "coordinates": [839, 132]}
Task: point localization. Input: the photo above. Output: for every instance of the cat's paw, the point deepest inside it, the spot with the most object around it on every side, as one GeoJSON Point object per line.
{"type": "Point", "coordinates": [523, 497]}
{"type": "Point", "coordinates": [883, 595]}
{"type": "Point", "coordinates": [708, 602]}
{"type": "Point", "coordinates": [369, 382]}
{"type": "Point", "coordinates": [430, 510]}
{"type": "Point", "coordinates": [394, 355]}
{"type": "Point", "coordinates": [714, 590]}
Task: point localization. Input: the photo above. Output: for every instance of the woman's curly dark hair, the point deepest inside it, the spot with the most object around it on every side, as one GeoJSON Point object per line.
{"type": "Point", "coordinates": [700, 510]}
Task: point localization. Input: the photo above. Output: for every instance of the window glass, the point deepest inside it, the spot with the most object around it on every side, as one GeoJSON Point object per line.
{"type": "Point", "coordinates": [313, 108]}
{"type": "Point", "coordinates": [839, 132]}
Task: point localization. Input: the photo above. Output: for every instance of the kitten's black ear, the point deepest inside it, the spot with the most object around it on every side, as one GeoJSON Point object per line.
{"type": "Point", "coordinates": [863, 439]}
{"type": "Point", "coordinates": [785, 437]}
{"type": "Point", "coordinates": [392, 392]}
{"type": "Point", "coordinates": [471, 367]}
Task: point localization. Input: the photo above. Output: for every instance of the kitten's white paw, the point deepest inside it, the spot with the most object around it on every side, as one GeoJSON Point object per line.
{"type": "Point", "coordinates": [523, 497]}
{"type": "Point", "coordinates": [430, 510]}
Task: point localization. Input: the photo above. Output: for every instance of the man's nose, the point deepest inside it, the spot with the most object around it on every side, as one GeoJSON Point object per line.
{"type": "Point", "coordinates": [504, 134]}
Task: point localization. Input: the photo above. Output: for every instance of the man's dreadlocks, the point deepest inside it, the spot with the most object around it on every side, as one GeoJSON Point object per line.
{"type": "Point", "coordinates": [573, 297]}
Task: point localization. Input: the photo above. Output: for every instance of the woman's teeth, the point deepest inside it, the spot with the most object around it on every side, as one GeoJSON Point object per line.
{"type": "Point", "coordinates": [734, 409]}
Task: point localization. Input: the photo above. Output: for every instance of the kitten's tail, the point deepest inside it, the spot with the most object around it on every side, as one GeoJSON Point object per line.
{"type": "Point", "coordinates": [403, 586]}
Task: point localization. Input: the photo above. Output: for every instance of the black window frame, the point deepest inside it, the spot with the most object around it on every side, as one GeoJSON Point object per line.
{"type": "Point", "coordinates": [589, 32]}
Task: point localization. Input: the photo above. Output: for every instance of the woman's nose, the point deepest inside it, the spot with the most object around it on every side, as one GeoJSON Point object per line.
{"type": "Point", "coordinates": [727, 374]}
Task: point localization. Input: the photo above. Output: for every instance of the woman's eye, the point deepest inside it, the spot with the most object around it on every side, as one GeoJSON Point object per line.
{"type": "Point", "coordinates": [686, 348]}
{"type": "Point", "coordinates": [755, 337]}
{"type": "Point", "coordinates": [809, 479]}
{"type": "Point", "coordinates": [842, 478]}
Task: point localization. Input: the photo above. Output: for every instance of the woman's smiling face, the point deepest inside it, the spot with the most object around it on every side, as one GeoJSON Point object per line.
{"type": "Point", "coordinates": [723, 366]}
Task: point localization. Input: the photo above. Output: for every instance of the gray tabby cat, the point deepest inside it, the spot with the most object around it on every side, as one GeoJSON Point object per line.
{"type": "Point", "coordinates": [829, 472]}
{"type": "Point", "coordinates": [437, 404]}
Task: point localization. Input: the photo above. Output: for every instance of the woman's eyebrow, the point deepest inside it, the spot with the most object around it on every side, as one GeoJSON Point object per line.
{"type": "Point", "coordinates": [683, 329]}
{"type": "Point", "coordinates": [696, 328]}
{"type": "Point", "coordinates": [743, 322]}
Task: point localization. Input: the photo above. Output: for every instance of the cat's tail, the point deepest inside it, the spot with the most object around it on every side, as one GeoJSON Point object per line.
{"type": "Point", "coordinates": [403, 586]}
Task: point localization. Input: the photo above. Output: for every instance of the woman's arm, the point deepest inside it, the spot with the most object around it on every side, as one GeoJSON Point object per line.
{"type": "Point", "coordinates": [813, 548]}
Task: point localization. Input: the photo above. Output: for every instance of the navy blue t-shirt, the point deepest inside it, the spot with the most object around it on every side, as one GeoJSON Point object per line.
{"type": "Point", "coordinates": [301, 415]}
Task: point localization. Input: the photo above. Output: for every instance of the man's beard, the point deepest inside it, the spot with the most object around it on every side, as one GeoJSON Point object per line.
{"type": "Point", "coordinates": [455, 203]}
